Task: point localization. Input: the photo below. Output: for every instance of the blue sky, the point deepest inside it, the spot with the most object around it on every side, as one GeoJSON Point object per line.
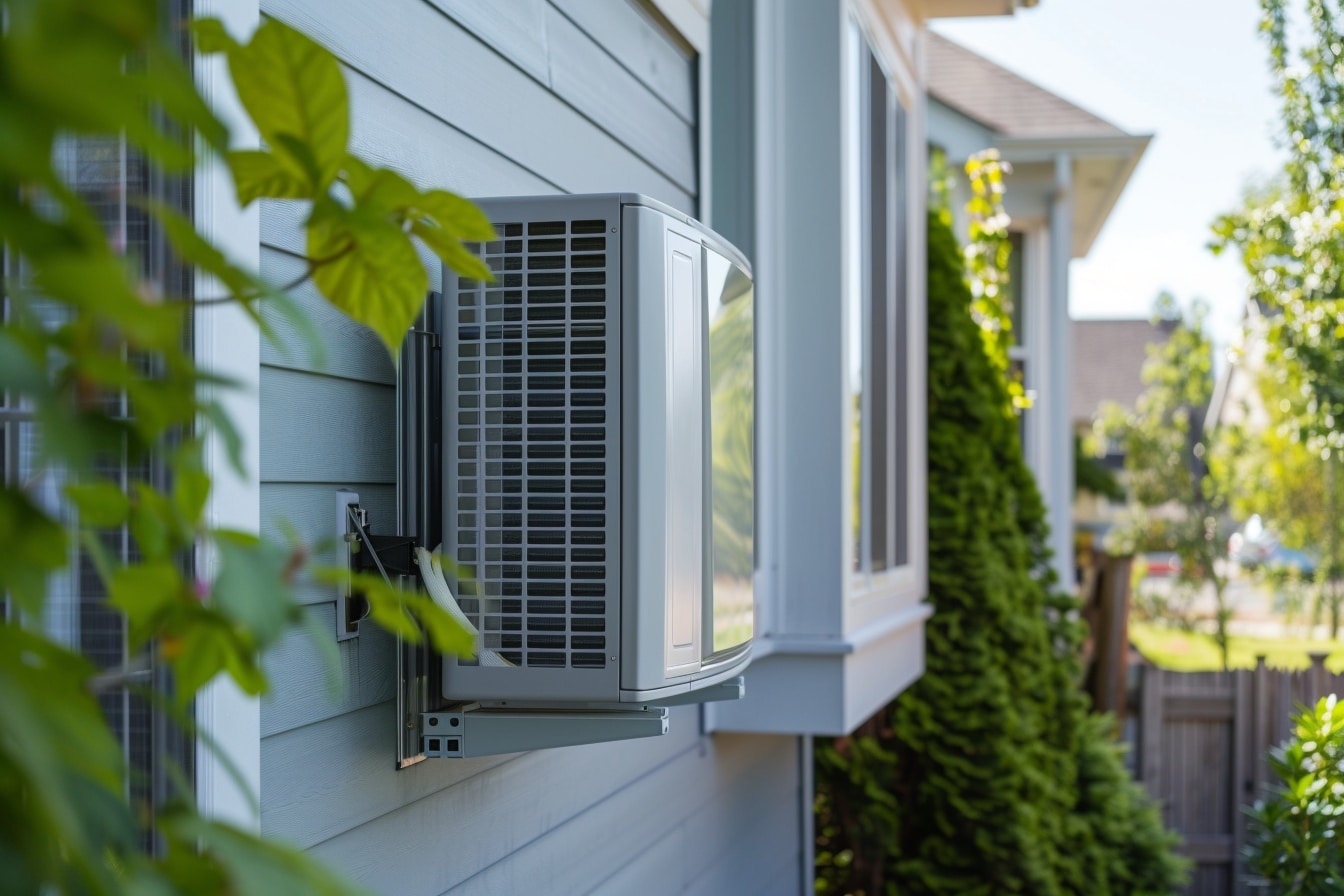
{"type": "Point", "coordinates": [1193, 74]}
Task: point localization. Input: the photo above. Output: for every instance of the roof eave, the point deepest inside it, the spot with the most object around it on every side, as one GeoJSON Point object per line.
{"type": "Point", "coordinates": [952, 9]}
{"type": "Point", "coordinates": [1126, 149]}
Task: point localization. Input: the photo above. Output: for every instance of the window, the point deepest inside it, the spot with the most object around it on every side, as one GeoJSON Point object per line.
{"type": "Point", "coordinates": [836, 213]}
{"type": "Point", "coordinates": [877, 320]}
{"type": "Point", "coordinates": [112, 180]}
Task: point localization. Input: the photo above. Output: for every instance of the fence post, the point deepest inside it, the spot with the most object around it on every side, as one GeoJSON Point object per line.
{"type": "Point", "coordinates": [1243, 764]}
{"type": "Point", "coordinates": [1150, 729]}
{"type": "Point", "coordinates": [1318, 677]}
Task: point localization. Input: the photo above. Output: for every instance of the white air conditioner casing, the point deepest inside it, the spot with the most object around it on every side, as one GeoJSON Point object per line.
{"type": "Point", "coordinates": [598, 440]}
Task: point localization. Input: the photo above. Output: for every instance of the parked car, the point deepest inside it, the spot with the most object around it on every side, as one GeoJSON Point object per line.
{"type": "Point", "coordinates": [1301, 563]}
{"type": "Point", "coordinates": [1162, 563]}
{"type": "Point", "coordinates": [1252, 544]}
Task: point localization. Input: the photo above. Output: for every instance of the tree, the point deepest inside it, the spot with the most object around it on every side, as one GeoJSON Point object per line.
{"type": "Point", "coordinates": [1290, 232]}
{"type": "Point", "coordinates": [989, 775]}
{"type": "Point", "coordinates": [1178, 495]}
{"type": "Point", "coordinates": [1290, 235]}
{"type": "Point", "coordinates": [1291, 483]}
{"type": "Point", "coordinates": [82, 328]}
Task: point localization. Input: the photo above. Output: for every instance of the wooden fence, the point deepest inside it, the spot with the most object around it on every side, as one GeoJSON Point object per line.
{"type": "Point", "coordinates": [1202, 743]}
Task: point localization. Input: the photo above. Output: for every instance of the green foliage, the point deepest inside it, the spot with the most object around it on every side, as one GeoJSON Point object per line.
{"type": "Point", "coordinates": [1178, 479]}
{"type": "Point", "coordinates": [1090, 474]}
{"type": "Point", "coordinates": [86, 337]}
{"type": "Point", "coordinates": [986, 258]}
{"type": "Point", "coordinates": [988, 775]}
{"type": "Point", "coordinates": [1292, 480]}
{"type": "Point", "coordinates": [1290, 232]}
{"type": "Point", "coordinates": [1294, 832]}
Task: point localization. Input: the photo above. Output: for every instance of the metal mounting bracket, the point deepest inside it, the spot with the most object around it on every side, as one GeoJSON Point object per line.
{"type": "Point", "coordinates": [732, 689]}
{"type": "Point", "coordinates": [473, 730]}
{"type": "Point", "coordinates": [350, 607]}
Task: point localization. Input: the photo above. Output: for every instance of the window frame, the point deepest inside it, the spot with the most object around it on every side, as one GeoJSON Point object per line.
{"type": "Point", "coordinates": [227, 343]}
{"type": "Point", "coordinates": [832, 648]}
{"type": "Point", "coordinates": [872, 593]}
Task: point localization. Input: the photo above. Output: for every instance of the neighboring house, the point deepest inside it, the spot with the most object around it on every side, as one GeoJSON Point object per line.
{"type": "Point", "coordinates": [1236, 396]}
{"type": "Point", "coordinates": [797, 128]}
{"type": "Point", "coordinates": [1069, 169]}
{"type": "Point", "coordinates": [1108, 359]}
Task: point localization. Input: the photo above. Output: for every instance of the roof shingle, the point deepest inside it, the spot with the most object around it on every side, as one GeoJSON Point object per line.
{"type": "Point", "coordinates": [1003, 101]}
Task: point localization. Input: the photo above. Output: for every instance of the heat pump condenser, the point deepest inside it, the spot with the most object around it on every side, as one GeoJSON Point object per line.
{"type": "Point", "coordinates": [598, 451]}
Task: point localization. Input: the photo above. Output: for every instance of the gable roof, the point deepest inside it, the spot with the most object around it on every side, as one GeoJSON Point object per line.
{"type": "Point", "coordinates": [1002, 100]}
{"type": "Point", "coordinates": [1108, 358]}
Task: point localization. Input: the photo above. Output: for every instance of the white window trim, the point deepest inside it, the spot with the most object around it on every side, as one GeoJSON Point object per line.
{"type": "Point", "coordinates": [828, 653]}
{"type": "Point", "coordinates": [872, 596]}
{"type": "Point", "coordinates": [227, 343]}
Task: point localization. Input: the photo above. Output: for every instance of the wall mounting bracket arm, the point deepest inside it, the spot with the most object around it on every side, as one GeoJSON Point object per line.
{"type": "Point", "coordinates": [473, 730]}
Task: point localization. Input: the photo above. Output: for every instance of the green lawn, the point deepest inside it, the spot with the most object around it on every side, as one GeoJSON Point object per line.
{"type": "Point", "coordinates": [1171, 648]}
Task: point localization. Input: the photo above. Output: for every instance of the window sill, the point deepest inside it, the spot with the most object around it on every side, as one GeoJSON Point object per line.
{"type": "Point", "coordinates": [814, 684]}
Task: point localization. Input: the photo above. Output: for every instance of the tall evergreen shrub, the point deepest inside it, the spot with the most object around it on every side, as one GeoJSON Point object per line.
{"type": "Point", "coordinates": [989, 775]}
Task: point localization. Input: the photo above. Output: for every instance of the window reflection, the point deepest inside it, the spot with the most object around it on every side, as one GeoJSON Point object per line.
{"type": "Point", "coordinates": [732, 376]}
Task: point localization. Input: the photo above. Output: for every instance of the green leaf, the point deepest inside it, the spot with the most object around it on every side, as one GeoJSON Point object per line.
{"type": "Point", "coordinates": [153, 524]}
{"type": "Point", "coordinates": [98, 283]}
{"type": "Point", "coordinates": [191, 489]}
{"type": "Point", "coordinates": [144, 592]}
{"type": "Point", "coordinates": [212, 37]}
{"type": "Point", "coordinates": [253, 588]}
{"type": "Point", "coordinates": [383, 190]}
{"type": "Point", "coordinates": [411, 615]}
{"type": "Point", "coordinates": [35, 545]}
{"type": "Point", "coordinates": [191, 247]}
{"type": "Point", "coordinates": [453, 253]}
{"type": "Point", "coordinates": [60, 762]}
{"type": "Point", "coordinates": [251, 864]}
{"type": "Point", "coordinates": [227, 433]}
{"type": "Point", "coordinates": [101, 504]}
{"type": "Point", "coordinates": [199, 654]}
{"type": "Point", "coordinates": [458, 216]}
{"type": "Point", "coordinates": [292, 87]}
{"type": "Point", "coordinates": [258, 174]}
{"type": "Point", "coordinates": [374, 274]}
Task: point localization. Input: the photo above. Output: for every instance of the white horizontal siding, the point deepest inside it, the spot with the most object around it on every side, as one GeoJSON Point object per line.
{"type": "Point", "coordinates": [483, 98]}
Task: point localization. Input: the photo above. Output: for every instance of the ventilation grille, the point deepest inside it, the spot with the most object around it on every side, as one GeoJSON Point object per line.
{"type": "Point", "coordinates": [531, 426]}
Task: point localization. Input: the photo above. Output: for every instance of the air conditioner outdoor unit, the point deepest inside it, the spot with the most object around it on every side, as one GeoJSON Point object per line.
{"type": "Point", "coordinates": [598, 454]}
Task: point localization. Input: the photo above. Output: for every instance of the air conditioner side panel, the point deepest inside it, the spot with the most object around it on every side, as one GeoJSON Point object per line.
{"type": "Point", "coordinates": [663, 584]}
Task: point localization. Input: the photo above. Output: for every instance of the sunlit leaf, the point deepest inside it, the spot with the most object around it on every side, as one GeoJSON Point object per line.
{"type": "Point", "coordinates": [212, 37]}
{"type": "Point", "coordinates": [411, 615]}
{"type": "Point", "coordinates": [258, 174]}
{"type": "Point", "coordinates": [375, 276]}
{"type": "Point", "coordinates": [454, 254]}
{"type": "Point", "coordinates": [460, 217]}
{"type": "Point", "coordinates": [292, 86]}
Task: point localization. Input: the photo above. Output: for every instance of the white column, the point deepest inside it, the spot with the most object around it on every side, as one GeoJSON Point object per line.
{"type": "Point", "coordinates": [1057, 451]}
{"type": "Point", "coordinates": [227, 343]}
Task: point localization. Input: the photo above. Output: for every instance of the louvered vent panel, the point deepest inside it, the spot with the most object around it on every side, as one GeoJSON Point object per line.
{"type": "Point", "coordinates": [531, 434]}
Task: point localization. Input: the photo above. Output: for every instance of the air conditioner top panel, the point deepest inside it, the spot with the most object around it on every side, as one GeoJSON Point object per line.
{"type": "Point", "coordinates": [710, 238]}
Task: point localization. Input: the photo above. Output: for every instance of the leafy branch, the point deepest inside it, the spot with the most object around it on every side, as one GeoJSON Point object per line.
{"type": "Point", "coordinates": [93, 357]}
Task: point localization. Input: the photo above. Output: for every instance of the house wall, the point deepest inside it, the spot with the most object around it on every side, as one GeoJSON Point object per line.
{"type": "Point", "coordinates": [486, 99]}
